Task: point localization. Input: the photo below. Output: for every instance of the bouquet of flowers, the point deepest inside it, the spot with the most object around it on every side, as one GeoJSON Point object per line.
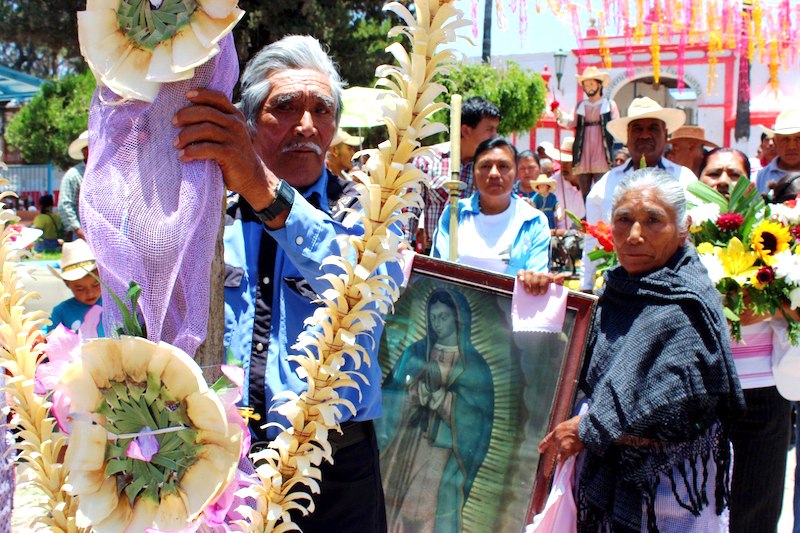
{"type": "Point", "coordinates": [604, 253]}
{"type": "Point", "coordinates": [750, 250]}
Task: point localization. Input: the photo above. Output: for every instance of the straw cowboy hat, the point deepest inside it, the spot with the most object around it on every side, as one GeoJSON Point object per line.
{"type": "Point", "coordinates": [642, 108]}
{"type": "Point", "coordinates": [695, 133]}
{"type": "Point", "coordinates": [786, 123]}
{"type": "Point", "coordinates": [594, 73]}
{"type": "Point", "coordinates": [76, 147]}
{"type": "Point", "coordinates": [563, 155]}
{"type": "Point", "coordinates": [342, 137]}
{"type": "Point", "coordinates": [77, 260]}
{"type": "Point", "coordinates": [544, 180]}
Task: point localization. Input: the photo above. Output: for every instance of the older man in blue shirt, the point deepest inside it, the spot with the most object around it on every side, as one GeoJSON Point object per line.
{"type": "Point", "coordinates": [285, 223]}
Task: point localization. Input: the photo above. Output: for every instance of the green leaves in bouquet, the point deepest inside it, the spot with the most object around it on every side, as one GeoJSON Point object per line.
{"type": "Point", "coordinates": [744, 199]}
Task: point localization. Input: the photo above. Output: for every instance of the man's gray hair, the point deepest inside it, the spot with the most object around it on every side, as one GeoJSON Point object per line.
{"type": "Point", "coordinates": [667, 189]}
{"type": "Point", "coordinates": [293, 52]}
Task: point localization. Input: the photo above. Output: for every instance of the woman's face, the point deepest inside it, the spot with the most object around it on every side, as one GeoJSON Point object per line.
{"type": "Point", "coordinates": [722, 171]}
{"type": "Point", "coordinates": [443, 320]}
{"type": "Point", "coordinates": [495, 172]}
{"type": "Point", "coordinates": [644, 231]}
{"type": "Point", "coordinates": [528, 170]}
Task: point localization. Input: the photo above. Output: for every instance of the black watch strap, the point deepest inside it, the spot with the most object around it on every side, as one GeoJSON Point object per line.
{"type": "Point", "coordinates": [284, 198]}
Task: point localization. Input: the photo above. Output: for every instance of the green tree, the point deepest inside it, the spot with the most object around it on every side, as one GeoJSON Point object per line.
{"type": "Point", "coordinates": [519, 93]}
{"type": "Point", "coordinates": [59, 112]}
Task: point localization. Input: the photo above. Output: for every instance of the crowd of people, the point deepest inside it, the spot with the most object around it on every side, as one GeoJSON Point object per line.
{"type": "Point", "coordinates": [684, 429]}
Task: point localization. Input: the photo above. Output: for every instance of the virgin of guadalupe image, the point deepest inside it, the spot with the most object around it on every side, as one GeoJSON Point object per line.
{"type": "Point", "coordinates": [438, 406]}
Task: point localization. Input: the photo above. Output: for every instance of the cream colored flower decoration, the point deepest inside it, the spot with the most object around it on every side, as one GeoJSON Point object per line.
{"type": "Point", "coordinates": [127, 389]}
{"type": "Point", "coordinates": [38, 443]}
{"type": "Point", "coordinates": [133, 46]}
{"type": "Point", "coordinates": [360, 295]}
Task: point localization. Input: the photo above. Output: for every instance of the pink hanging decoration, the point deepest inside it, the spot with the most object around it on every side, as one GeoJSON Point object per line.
{"type": "Point", "coordinates": [728, 26]}
{"type": "Point", "coordinates": [474, 16]}
{"type": "Point", "coordinates": [629, 71]}
{"type": "Point", "coordinates": [512, 5]}
{"type": "Point", "coordinates": [576, 22]}
{"type": "Point", "coordinates": [523, 19]}
{"type": "Point", "coordinates": [681, 58]}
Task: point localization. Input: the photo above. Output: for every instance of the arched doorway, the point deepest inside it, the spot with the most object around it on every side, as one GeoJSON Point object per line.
{"type": "Point", "coordinates": [665, 92]}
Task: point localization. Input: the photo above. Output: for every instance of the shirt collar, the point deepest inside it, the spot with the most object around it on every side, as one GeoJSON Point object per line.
{"type": "Point", "coordinates": [317, 192]}
{"type": "Point", "coordinates": [659, 164]}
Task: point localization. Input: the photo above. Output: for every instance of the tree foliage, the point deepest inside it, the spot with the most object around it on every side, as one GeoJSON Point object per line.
{"type": "Point", "coordinates": [59, 112]}
{"type": "Point", "coordinates": [40, 37]}
{"type": "Point", "coordinates": [519, 93]}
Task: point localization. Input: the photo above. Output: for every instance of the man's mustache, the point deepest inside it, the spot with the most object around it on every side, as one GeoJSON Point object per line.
{"type": "Point", "coordinates": [304, 144]}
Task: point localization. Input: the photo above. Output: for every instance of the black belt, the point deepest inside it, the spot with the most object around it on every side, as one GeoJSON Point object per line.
{"type": "Point", "coordinates": [592, 123]}
{"type": "Point", "coordinates": [353, 432]}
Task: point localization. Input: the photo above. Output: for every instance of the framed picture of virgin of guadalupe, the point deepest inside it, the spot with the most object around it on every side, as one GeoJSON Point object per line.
{"type": "Point", "coordinates": [466, 401]}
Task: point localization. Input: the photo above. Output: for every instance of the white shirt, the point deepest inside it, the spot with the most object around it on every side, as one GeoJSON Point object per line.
{"type": "Point", "coordinates": [569, 199]}
{"type": "Point", "coordinates": [484, 241]}
{"type": "Point", "coordinates": [598, 206]}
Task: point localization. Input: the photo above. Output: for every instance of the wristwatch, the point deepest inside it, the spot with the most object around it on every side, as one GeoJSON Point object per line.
{"type": "Point", "coordinates": [284, 198]}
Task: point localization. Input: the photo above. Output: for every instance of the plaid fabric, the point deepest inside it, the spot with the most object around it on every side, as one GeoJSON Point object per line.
{"type": "Point", "coordinates": [434, 195]}
{"type": "Point", "coordinates": [68, 197]}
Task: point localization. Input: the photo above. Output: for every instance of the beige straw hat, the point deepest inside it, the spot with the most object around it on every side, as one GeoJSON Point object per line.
{"type": "Point", "coordinates": [594, 73]}
{"type": "Point", "coordinates": [642, 108]}
{"type": "Point", "coordinates": [77, 260]}
{"type": "Point", "coordinates": [76, 147]}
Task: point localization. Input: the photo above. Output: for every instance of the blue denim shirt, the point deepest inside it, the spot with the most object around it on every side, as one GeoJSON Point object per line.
{"type": "Point", "coordinates": [308, 237]}
{"type": "Point", "coordinates": [531, 248]}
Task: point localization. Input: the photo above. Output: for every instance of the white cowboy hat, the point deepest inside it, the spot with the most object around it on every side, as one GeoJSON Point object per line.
{"type": "Point", "coordinates": [786, 123]}
{"type": "Point", "coordinates": [76, 147]}
{"type": "Point", "coordinates": [642, 108]}
{"type": "Point", "coordinates": [594, 73]}
{"type": "Point", "coordinates": [342, 137]}
{"type": "Point", "coordinates": [565, 154]}
{"type": "Point", "coordinates": [77, 260]}
{"type": "Point", "coordinates": [544, 180]}
{"type": "Point", "coordinates": [695, 133]}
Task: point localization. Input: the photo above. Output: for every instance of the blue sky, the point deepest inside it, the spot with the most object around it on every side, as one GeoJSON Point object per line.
{"type": "Point", "coordinates": [545, 32]}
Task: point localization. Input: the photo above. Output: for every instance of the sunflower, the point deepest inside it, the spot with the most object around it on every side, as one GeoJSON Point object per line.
{"type": "Point", "coordinates": [133, 46]}
{"type": "Point", "coordinates": [770, 238]}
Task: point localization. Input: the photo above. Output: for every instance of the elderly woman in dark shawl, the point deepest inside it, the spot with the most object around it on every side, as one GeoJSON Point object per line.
{"type": "Point", "coordinates": [661, 382]}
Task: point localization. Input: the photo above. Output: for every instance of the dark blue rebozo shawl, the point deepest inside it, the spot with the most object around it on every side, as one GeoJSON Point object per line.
{"type": "Point", "coordinates": [661, 370]}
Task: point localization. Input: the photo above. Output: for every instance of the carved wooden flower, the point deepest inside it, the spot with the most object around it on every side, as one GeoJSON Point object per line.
{"type": "Point", "coordinates": [133, 46]}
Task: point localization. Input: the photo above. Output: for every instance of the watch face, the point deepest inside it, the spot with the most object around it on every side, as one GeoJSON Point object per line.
{"type": "Point", "coordinates": [284, 196]}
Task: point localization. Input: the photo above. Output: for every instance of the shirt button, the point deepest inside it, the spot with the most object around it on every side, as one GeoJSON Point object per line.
{"type": "Point", "coordinates": [299, 240]}
{"type": "Point", "coordinates": [265, 280]}
{"type": "Point", "coordinates": [259, 346]}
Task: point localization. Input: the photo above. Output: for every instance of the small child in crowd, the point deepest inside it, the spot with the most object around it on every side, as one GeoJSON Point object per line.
{"type": "Point", "coordinates": [544, 200]}
{"type": "Point", "coordinates": [79, 271]}
{"type": "Point", "coordinates": [50, 224]}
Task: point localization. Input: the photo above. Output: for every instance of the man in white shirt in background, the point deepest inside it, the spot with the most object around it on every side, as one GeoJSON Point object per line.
{"type": "Point", "coordinates": [568, 189]}
{"type": "Point", "coordinates": [645, 132]}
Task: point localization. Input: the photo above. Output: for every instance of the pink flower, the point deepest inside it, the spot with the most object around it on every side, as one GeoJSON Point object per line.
{"type": "Point", "coordinates": [143, 447]}
{"type": "Point", "coordinates": [230, 397]}
{"type": "Point", "coordinates": [730, 221]}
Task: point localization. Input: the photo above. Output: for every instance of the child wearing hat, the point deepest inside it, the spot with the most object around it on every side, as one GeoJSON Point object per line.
{"type": "Point", "coordinates": [544, 200]}
{"type": "Point", "coordinates": [79, 271]}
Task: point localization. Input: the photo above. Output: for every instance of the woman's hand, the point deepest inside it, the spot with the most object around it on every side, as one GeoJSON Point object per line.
{"type": "Point", "coordinates": [537, 283]}
{"type": "Point", "coordinates": [563, 441]}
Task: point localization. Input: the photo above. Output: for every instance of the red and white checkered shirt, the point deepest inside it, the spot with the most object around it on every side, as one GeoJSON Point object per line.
{"type": "Point", "coordinates": [435, 196]}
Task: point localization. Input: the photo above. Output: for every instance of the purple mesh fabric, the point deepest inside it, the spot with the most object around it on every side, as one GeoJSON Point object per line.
{"type": "Point", "coordinates": [148, 217]}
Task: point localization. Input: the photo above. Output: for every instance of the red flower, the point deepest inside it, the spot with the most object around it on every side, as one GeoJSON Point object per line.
{"type": "Point", "coordinates": [554, 105]}
{"type": "Point", "coordinates": [601, 232]}
{"type": "Point", "coordinates": [765, 275]}
{"type": "Point", "coordinates": [791, 203]}
{"type": "Point", "coordinates": [730, 221]}
{"type": "Point", "coordinates": [795, 230]}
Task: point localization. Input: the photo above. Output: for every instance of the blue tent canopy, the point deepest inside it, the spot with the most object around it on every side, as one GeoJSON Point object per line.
{"type": "Point", "coordinates": [15, 85]}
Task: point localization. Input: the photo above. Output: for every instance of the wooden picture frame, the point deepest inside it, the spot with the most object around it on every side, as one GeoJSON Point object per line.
{"type": "Point", "coordinates": [462, 418]}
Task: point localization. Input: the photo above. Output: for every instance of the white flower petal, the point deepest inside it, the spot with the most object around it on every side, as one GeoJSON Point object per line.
{"type": "Point", "coordinates": [97, 506]}
{"type": "Point", "coordinates": [160, 68]}
{"type": "Point", "coordinates": [87, 447]}
{"type": "Point", "coordinates": [205, 411]}
{"type": "Point", "coordinates": [135, 354]}
{"type": "Point", "coordinates": [128, 78]}
{"type": "Point", "coordinates": [85, 481]}
{"type": "Point", "coordinates": [79, 386]}
{"type": "Point", "coordinates": [182, 376]}
{"type": "Point", "coordinates": [93, 5]}
{"type": "Point", "coordinates": [218, 8]}
{"type": "Point", "coordinates": [144, 513]}
{"type": "Point", "coordinates": [94, 26]}
{"type": "Point", "coordinates": [188, 52]}
{"type": "Point", "coordinates": [210, 31]}
{"type": "Point", "coordinates": [117, 520]}
{"type": "Point", "coordinates": [171, 514]}
{"type": "Point", "coordinates": [794, 298]}
{"type": "Point", "coordinates": [200, 484]}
